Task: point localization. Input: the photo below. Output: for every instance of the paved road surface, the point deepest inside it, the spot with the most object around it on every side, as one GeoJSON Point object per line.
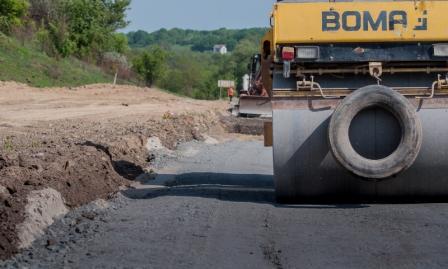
{"type": "Point", "coordinates": [220, 213]}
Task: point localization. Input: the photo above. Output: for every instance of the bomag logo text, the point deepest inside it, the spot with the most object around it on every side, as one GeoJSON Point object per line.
{"type": "Point", "coordinates": [353, 21]}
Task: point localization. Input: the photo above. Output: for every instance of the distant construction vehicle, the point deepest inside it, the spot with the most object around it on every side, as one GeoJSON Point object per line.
{"type": "Point", "coordinates": [254, 99]}
{"type": "Point", "coordinates": [359, 98]}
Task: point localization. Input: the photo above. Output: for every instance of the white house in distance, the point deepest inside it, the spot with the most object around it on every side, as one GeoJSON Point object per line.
{"type": "Point", "coordinates": [221, 49]}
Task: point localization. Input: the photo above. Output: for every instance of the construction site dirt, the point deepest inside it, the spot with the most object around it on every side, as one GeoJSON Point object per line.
{"type": "Point", "coordinates": [138, 178]}
{"type": "Point", "coordinates": [85, 143]}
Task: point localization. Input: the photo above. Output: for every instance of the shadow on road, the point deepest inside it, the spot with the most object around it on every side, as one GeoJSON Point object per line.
{"type": "Point", "coordinates": [251, 188]}
{"type": "Point", "coordinates": [128, 170]}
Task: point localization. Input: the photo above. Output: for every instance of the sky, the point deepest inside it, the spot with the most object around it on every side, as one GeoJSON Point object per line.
{"type": "Point", "coordinates": [151, 15]}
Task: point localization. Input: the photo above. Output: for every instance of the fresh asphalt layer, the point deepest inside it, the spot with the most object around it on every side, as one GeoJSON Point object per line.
{"type": "Point", "coordinates": [219, 211]}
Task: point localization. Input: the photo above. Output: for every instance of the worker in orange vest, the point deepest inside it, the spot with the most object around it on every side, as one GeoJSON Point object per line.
{"type": "Point", "coordinates": [230, 93]}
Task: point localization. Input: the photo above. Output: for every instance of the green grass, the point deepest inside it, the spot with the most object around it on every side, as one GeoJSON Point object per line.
{"type": "Point", "coordinates": [8, 145]}
{"type": "Point", "coordinates": [27, 65]}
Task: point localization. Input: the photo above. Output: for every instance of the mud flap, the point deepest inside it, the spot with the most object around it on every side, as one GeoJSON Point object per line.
{"type": "Point", "coordinates": [268, 140]}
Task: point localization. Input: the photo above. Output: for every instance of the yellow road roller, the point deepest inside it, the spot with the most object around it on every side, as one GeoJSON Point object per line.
{"type": "Point", "coordinates": [359, 96]}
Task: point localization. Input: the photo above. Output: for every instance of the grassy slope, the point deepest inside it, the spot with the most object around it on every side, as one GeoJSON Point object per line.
{"type": "Point", "coordinates": [22, 64]}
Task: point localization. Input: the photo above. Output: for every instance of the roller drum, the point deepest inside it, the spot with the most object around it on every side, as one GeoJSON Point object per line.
{"type": "Point", "coordinates": [305, 168]}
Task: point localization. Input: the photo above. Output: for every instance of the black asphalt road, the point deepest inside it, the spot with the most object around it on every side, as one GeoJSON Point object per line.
{"type": "Point", "coordinates": [219, 212]}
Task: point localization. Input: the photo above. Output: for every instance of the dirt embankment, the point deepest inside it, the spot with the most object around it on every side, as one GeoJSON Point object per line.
{"type": "Point", "coordinates": [247, 126]}
{"type": "Point", "coordinates": [84, 143]}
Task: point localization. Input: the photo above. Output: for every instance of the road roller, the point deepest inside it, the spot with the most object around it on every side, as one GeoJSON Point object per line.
{"type": "Point", "coordinates": [359, 97]}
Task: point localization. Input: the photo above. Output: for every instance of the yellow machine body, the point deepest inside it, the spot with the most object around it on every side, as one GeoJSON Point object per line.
{"type": "Point", "coordinates": [360, 21]}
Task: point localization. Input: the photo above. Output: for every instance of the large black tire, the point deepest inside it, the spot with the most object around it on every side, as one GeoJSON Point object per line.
{"type": "Point", "coordinates": [405, 113]}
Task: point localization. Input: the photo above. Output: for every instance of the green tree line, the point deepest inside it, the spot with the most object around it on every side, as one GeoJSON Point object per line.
{"type": "Point", "coordinates": [82, 28]}
{"type": "Point", "coordinates": [196, 40]}
{"type": "Point", "coordinates": [182, 61]}
{"type": "Point", "coordinates": [192, 73]}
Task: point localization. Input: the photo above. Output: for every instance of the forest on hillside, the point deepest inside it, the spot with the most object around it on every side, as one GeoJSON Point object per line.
{"type": "Point", "coordinates": [189, 66]}
{"type": "Point", "coordinates": [85, 29]}
{"type": "Point", "coordinates": [53, 33]}
{"type": "Point", "coordinates": [197, 40]}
